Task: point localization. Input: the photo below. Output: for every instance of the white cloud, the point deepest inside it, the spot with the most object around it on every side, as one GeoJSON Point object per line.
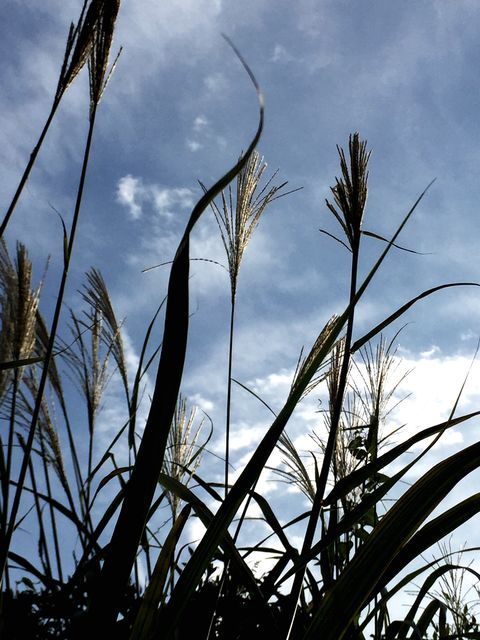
{"type": "Point", "coordinates": [430, 391]}
{"type": "Point", "coordinates": [166, 201]}
{"type": "Point", "coordinates": [242, 436]}
{"type": "Point", "coordinates": [434, 350]}
{"type": "Point", "coordinates": [201, 133]}
{"type": "Point", "coordinates": [129, 191]}
{"type": "Point", "coordinates": [202, 403]}
{"type": "Point", "coordinates": [133, 192]}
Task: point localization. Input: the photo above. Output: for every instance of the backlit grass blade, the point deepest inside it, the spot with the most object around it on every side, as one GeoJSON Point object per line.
{"type": "Point", "coordinates": [58, 506]}
{"type": "Point", "coordinates": [143, 481]}
{"type": "Point", "coordinates": [425, 590]}
{"type": "Point", "coordinates": [399, 312]}
{"type": "Point", "coordinates": [428, 615]}
{"type": "Point", "coordinates": [432, 532]}
{"type": "Point", "coordinates": [406, 580]}
{"type": "Point", "coordinates": [371, 234]}
{"type": "Point", "coordinates": [138, 376]}
{"type": "Point", "coordinates": [205, 550]}
{"type": "Point", "coordinates": [28, 566]}
{"type": "Point", "coordinates": [359, 581]}
{"type": "Point", "coordinates": [206, 516]}
{"type": "Point", "coordinates": [354, 479]}
{"type": "Point", "coordinates": [145, 621]}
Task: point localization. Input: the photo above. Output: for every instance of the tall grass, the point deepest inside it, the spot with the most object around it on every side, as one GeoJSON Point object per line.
{"type": "Point", "coordinates": [363, 536]}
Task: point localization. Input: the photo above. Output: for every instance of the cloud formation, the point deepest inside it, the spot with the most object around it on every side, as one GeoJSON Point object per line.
{"type": "Point", "coordinates": [133, 194]}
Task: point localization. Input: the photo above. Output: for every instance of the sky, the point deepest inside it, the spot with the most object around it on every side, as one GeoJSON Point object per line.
{"type": "Point", "coordinates": [180, 109]}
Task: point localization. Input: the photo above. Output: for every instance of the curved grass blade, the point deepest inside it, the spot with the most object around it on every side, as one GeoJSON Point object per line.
{"type": "Point", "coordinates": [359, 581]}
{"type": "Point", "coordinates": [406, 580]}
{"type": "Point", "coordinates": [142, 483]}
{"type": "Point", "coordinates": [206, 516]}
{"type": "Point", "coordinates": [433, 531]}
{"type": "Point", "coordinates": [205, 550]}
{"type": "Point", "coordinates": [427, 616]}
{"type": "Point", "coordinates": [148, 612]}
{"type": "Point", "coordinates": [272, 521]}
{"type": "Point", "coordinates": [138, 376]}
{"type": "Point", "coordinates": [70, 515]}
{"type": "Point", "coordinates": [425, 589]}
{"type": "Point", "coordinates": [354, 479]}
{"type": "Point", "coordinates": [399, 312]}
{"type": "Point", "coordinates": [371, 234]}
{"type": "Point", "coordinates": [49, 583]}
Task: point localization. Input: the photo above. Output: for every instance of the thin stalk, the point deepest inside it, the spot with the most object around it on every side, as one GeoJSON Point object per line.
{"type": "Point", "coordinates": [28, 168]}
{"type": "Point", "coordinates": [47, 565]}
{"type": "Point", "coordinates": [6, 538]}
{"type": "Point", "coordinates": [53, 520]}
{"type": "Point", "coordinates": [79, 43]}
{"type": "Point", "coordinates": [332, 438]}
{"type": "Point", "coordinates": [78, 476]}
{"type": "Point", "coordinates": [4, 481]}
{"type": "Point", "coordinates": [3, 476]}
{"type": "Point", "coordinates": [227, 457]}
{"type": "Point", "coordinates": [89, 467]}
{"type": "Point", "coordinates": [8, 465]}
{"type": "Point", "coordinates": [81, 493]}
{"type": "Point", "coordinates": [148, 560]}
{"type": "Point", "coordinates": [55, 381]}
{"type": "Point", "coordinates": [229, 393]}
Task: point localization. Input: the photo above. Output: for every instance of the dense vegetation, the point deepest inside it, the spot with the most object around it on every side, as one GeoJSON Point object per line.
{"type": "Point", "coordinates": [359, 551]}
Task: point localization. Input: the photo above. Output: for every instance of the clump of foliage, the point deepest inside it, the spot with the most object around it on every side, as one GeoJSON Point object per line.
{"type": "Point", "coordinates": [358, 549]}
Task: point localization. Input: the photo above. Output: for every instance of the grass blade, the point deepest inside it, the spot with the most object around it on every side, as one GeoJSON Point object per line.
{"type": "Point", "coordinates": [141, 486]}
{"type": "Point", "coordinates": [359, 581]}
{"type": "Point", "coordinates": [399, 312]}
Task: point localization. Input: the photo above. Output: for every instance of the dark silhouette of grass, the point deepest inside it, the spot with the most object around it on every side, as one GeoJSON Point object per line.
{"type": "Point", "coordinates": [356, 548]}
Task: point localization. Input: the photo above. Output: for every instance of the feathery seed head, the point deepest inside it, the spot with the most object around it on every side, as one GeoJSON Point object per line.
{"type": "Point", "coordinates": [95, 293]}
{"type": "Point", "coordinates": [79, 44]}
{"type": "Point", "coordinates": [305, 364]}
{"type": "Point", "coordinates": [237, 221]}
{"type": "Point", "coordinates": [100, 50]}
{"type": "Point", "coordinates": [46, 435]}
{"type": "Point", "coordinates": [19, 305]}
{"type": "Point", "coordinates": [350, 191]}
{"type": "Point", "coordinates": [294, 471]}
{"type": "Point", "coordinates": [182, 454]}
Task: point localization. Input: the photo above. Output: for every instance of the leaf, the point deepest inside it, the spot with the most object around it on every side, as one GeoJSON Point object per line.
{"type": "Point", "coordinates": [426, 588]}
{"type": "Point", "coordinates": [406, 580]}
{"type": "Point", "coordinates": [433, 531]}
{"type": "Point", "coordinates": [28, 566]}
{"type": "Point", "coordinates": [350, 519]}
{"type": "Point", "coordinates": [354, 479]}
{"type": "Point", "coordinates": [361, 341]}
{"type": "Point", "coordinates": [206, 516]}
{"type": "Point", "coordinates": [145, 621]}
{"type": "Point", "coordinates": [205, 550]}
{"type": "Point", "coordinates": [138, 376]}
{"type": "Point", "coordinates": [397, 246]}
{"type": "Point", "coordinates": [142, 483]}
{"type": "Point", "coordinates": [360, 580]}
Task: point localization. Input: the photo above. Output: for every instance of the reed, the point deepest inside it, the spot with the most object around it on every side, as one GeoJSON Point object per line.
{"type": "Point", "coordinates": [364, 535]}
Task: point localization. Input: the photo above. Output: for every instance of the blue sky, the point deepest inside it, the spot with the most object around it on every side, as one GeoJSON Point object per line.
{"type": "Point", "coordinates": [180, 108]}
